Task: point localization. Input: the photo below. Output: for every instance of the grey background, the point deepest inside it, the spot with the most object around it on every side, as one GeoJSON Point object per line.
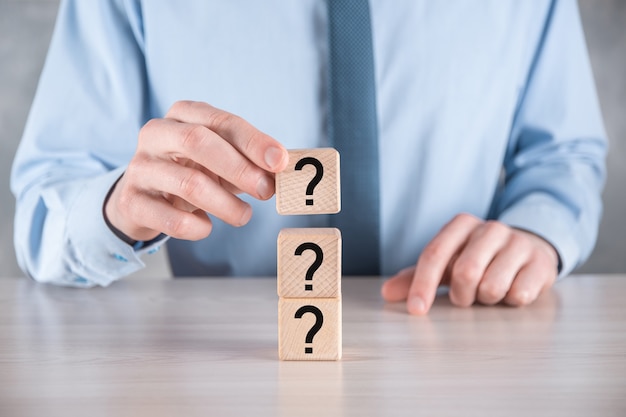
{"type": "Point", "coordinates": [26, 27]}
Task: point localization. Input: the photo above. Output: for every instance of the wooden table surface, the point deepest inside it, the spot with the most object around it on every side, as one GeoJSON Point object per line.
{"type": "Point", "coordinates": [208, 347]}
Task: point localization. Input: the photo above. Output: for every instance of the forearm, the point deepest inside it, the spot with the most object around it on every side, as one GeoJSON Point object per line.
{"type": "Point", "coordinates": [555, 164]}
{"type": "Point", "coordinates": [560, 202]}
{"type": "Point", "coordinates": [61, 236]}
{"type": "Point", "coordinates": [82, 127]}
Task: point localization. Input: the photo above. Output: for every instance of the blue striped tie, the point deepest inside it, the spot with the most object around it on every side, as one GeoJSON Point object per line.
{"type": "Point", "coordinates": [353, 131]}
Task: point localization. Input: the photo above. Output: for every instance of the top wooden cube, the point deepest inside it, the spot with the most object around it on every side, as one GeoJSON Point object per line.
{"type": "Point", "coordinates": [310, 183]}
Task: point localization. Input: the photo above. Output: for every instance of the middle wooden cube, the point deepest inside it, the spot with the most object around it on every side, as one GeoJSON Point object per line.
{"type": "Point", "coordinates": [309, 263]}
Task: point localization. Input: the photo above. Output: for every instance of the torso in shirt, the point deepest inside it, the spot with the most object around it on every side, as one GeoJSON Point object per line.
{"type": "Point", "coordinates": [449, 76]}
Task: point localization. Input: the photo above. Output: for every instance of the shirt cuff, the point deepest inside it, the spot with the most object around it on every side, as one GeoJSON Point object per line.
{"type": "Point", "coordinates": [540, 214]}
{"type": "Point", "coordinates": [99, 257]}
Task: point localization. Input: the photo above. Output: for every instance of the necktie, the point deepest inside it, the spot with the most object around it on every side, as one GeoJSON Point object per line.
{"type": "Point", "coordinates": [353, 131]}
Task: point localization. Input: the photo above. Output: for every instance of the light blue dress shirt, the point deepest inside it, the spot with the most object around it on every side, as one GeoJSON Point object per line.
{"type": "Point", "coordinates": [485, 107]}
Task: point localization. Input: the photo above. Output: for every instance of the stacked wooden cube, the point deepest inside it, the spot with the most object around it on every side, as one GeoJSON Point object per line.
{"type": "Point", "coordinates": [309, 259]}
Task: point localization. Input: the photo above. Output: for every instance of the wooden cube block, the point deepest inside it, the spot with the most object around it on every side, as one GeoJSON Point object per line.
{"type": "Point", "coordinates": [309, 328]}
{"type": "Point", "coordinates": [309, 263]}
{"type": "Point", "coordinates": [310, 183]}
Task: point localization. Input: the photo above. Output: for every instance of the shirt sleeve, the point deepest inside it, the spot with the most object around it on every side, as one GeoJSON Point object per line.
{"type": "Point", "coordinates": [555, 163]}
{"type": "Point", "coordinates": [81, 132]}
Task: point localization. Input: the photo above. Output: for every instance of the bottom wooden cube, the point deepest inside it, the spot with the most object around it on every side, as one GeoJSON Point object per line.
{"type": "Point", "coordinates": [309, 329]}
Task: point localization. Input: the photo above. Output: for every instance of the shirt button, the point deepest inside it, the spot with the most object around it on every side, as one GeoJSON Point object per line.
{"type": "Point", "coordinates": [120, 257]}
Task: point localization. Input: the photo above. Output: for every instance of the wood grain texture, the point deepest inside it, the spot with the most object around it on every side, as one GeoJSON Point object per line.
{"type": "Point", "coordinates": [292, 184]}
{"type": "Point", "coordinates": [296, 320]}
{"type": "Point", "coordinates": [292, 269]}
{"type": "Point", "coordinates": [207, 347]}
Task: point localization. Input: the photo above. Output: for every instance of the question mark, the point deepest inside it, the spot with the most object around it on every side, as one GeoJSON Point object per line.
{"type": "Point", "coordinates": [319, 320]}
{"type": "Point", "coordinates": [319, 168]}
{"type": "Point", "coordinates": [319, 258]}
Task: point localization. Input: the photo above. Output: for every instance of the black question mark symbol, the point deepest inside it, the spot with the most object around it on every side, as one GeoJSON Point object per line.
{"type": "Point", "coordinates": [319, 168]}
{"type": "Point", "coordinates": [319, 258]}
{"type": "Point", "coordinates": [319, 320]}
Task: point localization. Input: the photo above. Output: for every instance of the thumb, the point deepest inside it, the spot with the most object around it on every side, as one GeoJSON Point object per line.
{"type": "Point", "coordinates": [397, 287]}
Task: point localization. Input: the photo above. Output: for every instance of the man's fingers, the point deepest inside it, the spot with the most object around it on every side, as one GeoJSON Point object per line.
{"type": "Point", "coordinates": [227, 185]}
{"type": "Point", "coordinates": [502, 271]}
{"type": "Point", "coordinates": [537, 275]}
{"type": "Point", "coordinates": [154, 213]}
{"type": "Point", "coordinates": [206, 148]}
{"type": "Point", "coordinates": [397, 287]}
{"type": "Point", "coordinates": [260, 148]}
{"type": "Point", "coordinates": [178, 202]}
{"type": "Point", "coordinates": [193, 186]}
{"type": "Point", "coordinates": [485, 261]}
{"type": "Point", "coordinates": [468, 270]}
{"type": "Point", "coordinates": [434, 259]}
{"type": "Point", "coordinates": [531, 280]}
{"type": "Point", "coordinates": [194, 161]}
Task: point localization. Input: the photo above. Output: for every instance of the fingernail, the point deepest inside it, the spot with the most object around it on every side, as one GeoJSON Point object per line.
{"type": "Point", "coordinates": [416, 305]}
{"type": "Point", "coordinates": [273, 157]}
{"type": "Point", "coordinates": [246, 216]}
{"type": "Point", "coordinates": [524, 297]}
{"type": "Point", "coordinates": [265, 187]}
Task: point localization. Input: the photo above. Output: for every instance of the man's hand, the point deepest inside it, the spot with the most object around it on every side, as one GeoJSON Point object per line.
{"type": "Point", "coordinates": [192, 162]}
{"type": "Point", "coordinates": [487, 262]}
